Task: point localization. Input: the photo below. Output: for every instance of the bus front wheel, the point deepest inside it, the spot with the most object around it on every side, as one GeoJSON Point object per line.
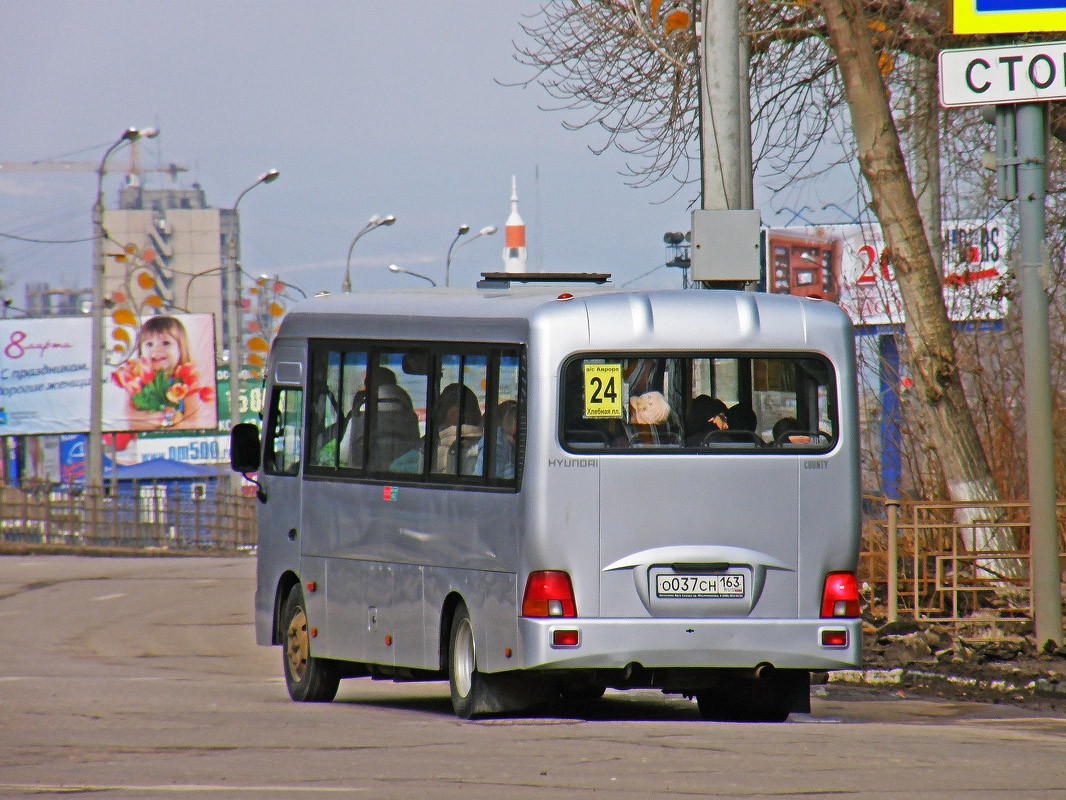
{"type": "Point", "coordinates": [308, 679]}
{"type": "Point", "coordinates": [467, 684]}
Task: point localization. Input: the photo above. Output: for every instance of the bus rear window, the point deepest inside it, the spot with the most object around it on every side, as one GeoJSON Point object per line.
{"type": "Point", "coordinates": [703, 403]}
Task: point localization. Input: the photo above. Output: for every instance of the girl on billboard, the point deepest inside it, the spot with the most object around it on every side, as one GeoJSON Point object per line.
{"type": "Point", "coordinates": [162, 383]}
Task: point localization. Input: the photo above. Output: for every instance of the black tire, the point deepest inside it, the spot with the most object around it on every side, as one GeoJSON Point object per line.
{"type": "Point", "coordinates": [749, 700]}
{"type": "Point", "coordinates": [719, 706]}
{"type": "Point", "coordinates": [580, 693]}
{"type": "Point", "coordinates": [308, 679]}
{"type": "Point", "coordinates": [468, 687]}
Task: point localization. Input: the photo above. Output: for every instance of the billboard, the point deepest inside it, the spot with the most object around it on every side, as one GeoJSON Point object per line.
{"type": "Point", "coordinates": [163, 378]}
{"type": "Point", "coordinates": [1007, 16]}
{"type": "Point", "coordinates": [849, 264]}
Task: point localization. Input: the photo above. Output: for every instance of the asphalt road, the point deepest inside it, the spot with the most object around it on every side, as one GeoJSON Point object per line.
{"type": "Point", "coordinates": [140, 678]}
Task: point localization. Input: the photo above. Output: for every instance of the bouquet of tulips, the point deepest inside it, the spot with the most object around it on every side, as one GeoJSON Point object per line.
{"type": "Point", "coordinates": [164, 391]}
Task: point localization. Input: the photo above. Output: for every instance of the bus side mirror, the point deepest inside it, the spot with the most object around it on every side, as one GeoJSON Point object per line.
{"type": "Point", "coordinates": [244, 448]}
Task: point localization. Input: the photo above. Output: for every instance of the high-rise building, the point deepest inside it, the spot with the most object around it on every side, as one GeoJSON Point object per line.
{"type": "Point", "coordinates": [189, 241]}
{"type": "Point", "coordinates": [44, 301]}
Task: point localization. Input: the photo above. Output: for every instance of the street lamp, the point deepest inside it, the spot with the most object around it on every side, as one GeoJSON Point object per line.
{"type": "Point", "coordinates": [398, 270]}
{"type": "Point", "coordinates": [233, 305]}
{"type": "Point", "coordinates": [463, 231]}
{"type": "Point", "coordinates": [488, 230]}
{"type": "Point", "coordinates": [94, 459]}
{"type": "Point", "coordinates": [9, 305]}
{"type": "Point", "coordinates": [374, 222]}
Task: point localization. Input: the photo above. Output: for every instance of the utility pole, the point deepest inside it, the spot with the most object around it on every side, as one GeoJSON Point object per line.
{"type": "Point", "coordinates": [1030, 120]}
{"type": "Point", "coordinates": [722, 157]}
{"type": "Point", "coordinates": [726, 230]}
{"type": "Point", "coordinates": [233, 305]}
{"type": "Point", "coordinates": [1019, 113]}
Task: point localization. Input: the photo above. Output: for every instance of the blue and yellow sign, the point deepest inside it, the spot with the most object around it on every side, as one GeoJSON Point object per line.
{"type": "Point", "coordinates": [1008, 16]}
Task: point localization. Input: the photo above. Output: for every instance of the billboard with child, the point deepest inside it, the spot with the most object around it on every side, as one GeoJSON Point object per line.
{"type": "Point", "coordinates": [159, 375]}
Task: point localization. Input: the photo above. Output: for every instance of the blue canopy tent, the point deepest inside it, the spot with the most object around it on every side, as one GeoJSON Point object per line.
{"type": "Point", "coordinates": [165, 500]}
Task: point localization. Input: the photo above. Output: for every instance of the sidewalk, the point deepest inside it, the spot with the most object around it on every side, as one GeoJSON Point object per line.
{"type": "Point", "coordinates": [979, 663]}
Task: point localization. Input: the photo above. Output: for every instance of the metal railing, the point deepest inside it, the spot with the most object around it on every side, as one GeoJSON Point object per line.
{"type": "Point", "coordinates": [138, 515]}
{"type": "Point", "coordinates": [950, 562]}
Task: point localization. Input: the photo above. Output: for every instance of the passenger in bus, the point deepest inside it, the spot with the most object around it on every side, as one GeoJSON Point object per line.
{"type": "Point", "coordinates": [457, 441]}
{"type": "Point", "coordinates": [506, 425]}
{"type": "Point", "coordinates": [740, 430]}
{"type": "Point", "coordinates": [788, 430]}
{"type": "Point", "coordinates": [706, 414]}
{"type": "Point", "coordinates": [395, 428]}
{"type": "Point", "coordinates": [741, 417]}
{"type": "Point", "coordinates": [652, 421]}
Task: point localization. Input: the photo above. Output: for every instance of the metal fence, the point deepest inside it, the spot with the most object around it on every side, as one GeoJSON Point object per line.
{"type": "Point", "coordinates": [935, 561]}
{"type": "Point", "coordinates": [145, 514]}
{"type": "Point", "coordinates": [950, 562]}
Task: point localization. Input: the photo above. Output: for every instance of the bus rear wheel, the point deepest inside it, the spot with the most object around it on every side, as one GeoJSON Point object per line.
{"type": "Point", "coordinates": [308, 679]}
{"type": "Point", "coordinates": [468, 686]}
{"type": "Point", "coordinates": [769, 699]}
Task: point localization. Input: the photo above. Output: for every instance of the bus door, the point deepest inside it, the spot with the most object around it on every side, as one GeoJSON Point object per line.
{"type": "Point", "coordinates": [279, 515]}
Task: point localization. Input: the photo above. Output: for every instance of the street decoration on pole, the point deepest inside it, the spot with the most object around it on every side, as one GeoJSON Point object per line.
{"type": "Point", "coordinates": [94, 452]}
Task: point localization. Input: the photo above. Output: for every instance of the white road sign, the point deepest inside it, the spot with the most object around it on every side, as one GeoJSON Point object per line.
{"type": "Point", "coordinates": [983, 76]}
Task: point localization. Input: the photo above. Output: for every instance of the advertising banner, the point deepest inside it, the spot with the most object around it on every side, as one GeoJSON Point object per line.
{"type": "Point", "coordinates": [207, 450]}
{"type": "Point", "coordinates": [850, 264]}
{"type": "Point", "coordinates": [160, 376]}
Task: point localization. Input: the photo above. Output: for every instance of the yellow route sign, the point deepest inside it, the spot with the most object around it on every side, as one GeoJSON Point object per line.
{"type": "Point", "coordinates": [603, 391]}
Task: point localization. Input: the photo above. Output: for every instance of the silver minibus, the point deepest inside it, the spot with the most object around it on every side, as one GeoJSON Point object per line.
{"type": "Point", "coordinates": [539, 491]}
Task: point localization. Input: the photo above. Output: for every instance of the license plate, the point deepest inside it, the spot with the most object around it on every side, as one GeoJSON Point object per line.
{"type": "Point", "coordinates": [731, 585]}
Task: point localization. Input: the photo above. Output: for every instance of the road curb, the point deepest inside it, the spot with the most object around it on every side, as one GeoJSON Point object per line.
{"type": "Point", "coordinates": [1050, 685]}
{"type": "Point", "coordinates": [35, 549]}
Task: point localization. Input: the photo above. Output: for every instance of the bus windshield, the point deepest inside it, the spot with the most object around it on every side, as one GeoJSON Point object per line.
{"type": "Point", "coordinates": [709, 403]}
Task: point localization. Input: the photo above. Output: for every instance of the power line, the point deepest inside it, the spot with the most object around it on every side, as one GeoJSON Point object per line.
{"type": "Point", "coordinates": [644, 275]}
{"type": "Point", "coordinates": [44, 241]}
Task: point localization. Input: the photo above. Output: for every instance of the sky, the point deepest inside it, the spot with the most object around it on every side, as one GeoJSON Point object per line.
{"type": "Point", "coordinates": [399, 107]}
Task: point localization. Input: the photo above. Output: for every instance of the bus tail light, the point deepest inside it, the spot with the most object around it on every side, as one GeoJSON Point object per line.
{"type": "Point", "coordinates": [565, 638]}
{"type": "Point", "coordinates": [549, 593]}
{"type": "Point", "coordinates": [840, 598]}
{"type": "Point", "coordinates": [832, 637]}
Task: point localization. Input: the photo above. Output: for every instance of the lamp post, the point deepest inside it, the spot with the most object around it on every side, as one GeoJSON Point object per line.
{"type": "Point", "coordinates": [374, 222]}
{"type": "Point", "coordinates": [463, 231]}
{"type": "Point", "coordinates": [233, 305]}
{"type": "Point", "coordinates": [398, 270]}
{"type": "Point", "coordinates": [94, 457]}
{"type": "Point", "coordinates": [9, 305]}
{"type": "Point", "coordinates": [488, 230]}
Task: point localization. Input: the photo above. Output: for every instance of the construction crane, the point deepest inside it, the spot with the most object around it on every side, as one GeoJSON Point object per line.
{"type": "Point", "coordinates": [171, 169]}
{"type": "Point", "coordinates": [46, 165]}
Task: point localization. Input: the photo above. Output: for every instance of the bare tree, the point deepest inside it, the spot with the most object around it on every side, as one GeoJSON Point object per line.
{"type": "Point", "coordinates": [605, 64]}
{"type": "Point", "coordinates": [628, 76]}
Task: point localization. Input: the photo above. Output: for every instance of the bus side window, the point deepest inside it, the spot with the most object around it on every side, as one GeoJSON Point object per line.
{"type": "Point", "coordinates": [353, 406]}
{"type": "Point", "coordinates": [505, 419]}
{"type": "Point", "coordinates": [394, 428]}
{"type": "Point", "coordinates": [325, 410]}
{"type": "Point", "coordinates": [458, 414]}
{"type": "Point", "coordinates": [500, 442]}
{"type": "Point", "coordinates": [284, 434]}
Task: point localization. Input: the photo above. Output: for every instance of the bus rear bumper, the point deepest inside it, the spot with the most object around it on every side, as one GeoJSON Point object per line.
{"type": "Point", "coordinates": [813, 644]}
